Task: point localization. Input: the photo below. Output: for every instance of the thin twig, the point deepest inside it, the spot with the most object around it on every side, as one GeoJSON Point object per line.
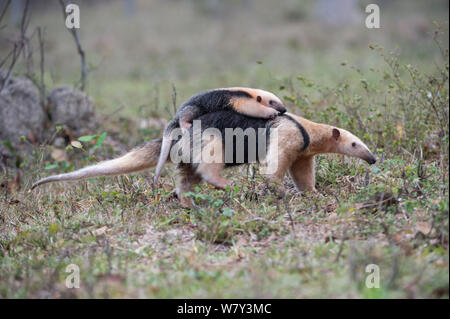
{"type": "Point", "coordinates": [15, 55]}
{"type": "Point", "coordinates": [174, 98]}
{"type": "Point", "coordinates": [18, 45]}
{"type": "Point", "coordinates": [6, 57]}
{"type": "Point", "coordinates": [4, 9]}
{"type": "Point", "coordinates": [119, 109]}
{"type": "Point", "coordinates": [27, 51]}
{"type": "Point", "coordinates": [25, 19]}
{"type": "Point", "coordinates": [41, 50]}
{"type": "Point", "coordinates": [288, 210]}
{"type": "Point", "coordinates": [80, 50]}
{"type": "Point", "coordinates": [341, 246]}
{"type": "Point", "coordinates": [380, 203]}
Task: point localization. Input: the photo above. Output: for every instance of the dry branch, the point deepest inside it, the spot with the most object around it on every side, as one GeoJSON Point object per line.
{"type": "Point", "coordinates": [4, 10]}
{"type": "Point", "coordinates": [41, 50]}
{"type": "Point", "coordinates": [18, 45]}
{"type": "Point", "coordinates": [15, 52]}
{"type": "Point", "coordinates": [80, 50]}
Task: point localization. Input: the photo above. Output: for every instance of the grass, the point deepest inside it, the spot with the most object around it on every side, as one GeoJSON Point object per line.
{"type": "Point", "coordinates": [130, 239]}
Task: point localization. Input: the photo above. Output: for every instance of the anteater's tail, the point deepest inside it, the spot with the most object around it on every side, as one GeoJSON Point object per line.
{"type": "Point", "coordinates": [165, 148]}
{"type": "Point", "coordinates": [143, 157]}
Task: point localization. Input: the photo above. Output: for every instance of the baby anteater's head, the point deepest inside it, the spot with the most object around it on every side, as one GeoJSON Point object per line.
{"type": "Point", "coordinates": [268, 99]}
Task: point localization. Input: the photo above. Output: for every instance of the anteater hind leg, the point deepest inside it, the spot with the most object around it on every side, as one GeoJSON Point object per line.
{"type": "Point", "coordinates": [211, 172]}
{"type": "Point", "coordinates": [212, 163]}
{"type": "Point", "coordinates": [187, 179]}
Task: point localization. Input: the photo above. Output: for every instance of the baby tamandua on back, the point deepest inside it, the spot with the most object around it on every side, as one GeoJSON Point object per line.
{"type": "Point", "coordinates": [247, 101]}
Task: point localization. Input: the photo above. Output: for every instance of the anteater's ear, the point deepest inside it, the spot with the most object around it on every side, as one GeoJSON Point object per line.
{"type": "Point", "coordinates": [258, 98]}
{"type": "Point", "coordinates": [336, 134]}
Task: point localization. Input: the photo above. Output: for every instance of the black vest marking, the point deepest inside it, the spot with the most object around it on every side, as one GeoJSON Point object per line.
{"type": "Point", "coordinates": [305, 134]}
{"type": "Point", "coordinates": [229, 119]}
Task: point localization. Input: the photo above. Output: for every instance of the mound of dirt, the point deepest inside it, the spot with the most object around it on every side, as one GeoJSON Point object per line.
{"type": "Point", "coordinates": [20, 111]}
{"type": "Point", "coordinates": [72, 108]}
{"type": "Point", "coordinates": [21, 114]}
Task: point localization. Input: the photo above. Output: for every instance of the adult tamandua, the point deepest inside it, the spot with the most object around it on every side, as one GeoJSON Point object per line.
{"type": "Point", "coordinates": [292, 149]}
{"type": "Point", "coordinates": [296, 150]}
{"type": "Point", "coordinates": [252, 102]}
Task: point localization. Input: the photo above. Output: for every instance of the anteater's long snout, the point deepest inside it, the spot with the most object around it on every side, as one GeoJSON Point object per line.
{"type": "Point", "coordinates": [371, 159]}
{"type": "Point", "coordinates": [279, 107]}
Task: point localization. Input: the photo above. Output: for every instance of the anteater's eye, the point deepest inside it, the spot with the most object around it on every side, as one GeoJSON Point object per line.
{"type": "Point", "coordinates": [271, 102]}
{"type": "Point", "coordinates": [353, 144]}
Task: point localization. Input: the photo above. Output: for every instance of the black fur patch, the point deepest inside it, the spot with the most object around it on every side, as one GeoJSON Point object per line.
{"type": "Point", "coordinates": [229, 119]}
{"type": "Point", "coordinates": [306, 139]}
{"type": "Point", "coordinates": [215, 100]}
{"type": "Point", "coordinates": [204, 103]}
{"type": "Point", "coordinates": [223, 120]}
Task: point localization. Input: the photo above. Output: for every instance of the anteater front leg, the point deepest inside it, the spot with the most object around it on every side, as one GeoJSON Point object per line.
{"type": "Point", "coordinates": [302, 172]}
{"type": "Point", "coordinates": [212, 163]}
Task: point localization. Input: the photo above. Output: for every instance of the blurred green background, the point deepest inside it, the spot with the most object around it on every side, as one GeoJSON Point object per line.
{"type": "Point", "coordinates": [136, 50]}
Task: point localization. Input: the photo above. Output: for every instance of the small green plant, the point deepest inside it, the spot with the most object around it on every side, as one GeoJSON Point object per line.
{"type": "Point", "coordinates": [99, 138]}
